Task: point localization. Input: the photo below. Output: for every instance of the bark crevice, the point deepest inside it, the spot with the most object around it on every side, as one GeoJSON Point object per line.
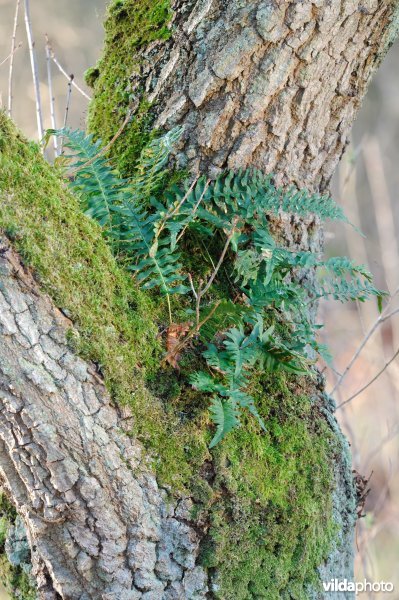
{"type": "Point", "coordinates": [97, 522]}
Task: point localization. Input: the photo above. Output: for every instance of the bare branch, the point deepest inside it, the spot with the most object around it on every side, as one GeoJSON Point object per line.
{"type": "Point", "coordinates": [190, 278]}
{"type": "Point", "coordinates": [10, 56]}
{"type": "Point", "coordinates": [194, 210]}
{"type": "Point", "coordinates": [68, 103]}
{"type": "Point", "coordinates": [51, 94]}
{"type": "Point", "coordinates": [35, 77]}
{"type": "Point", "coordinates": [384, 316]}
{"type": "Point", "coordinates": [62, 70]}
{"type": "Point", "coordinates": [14, 48]}
{"type": "Point", "coordinates": [222, 256]}
{"type": "Point", "coordinates": [105, 149]}
{"type": "Point", "coordinates": [364, 388]}
{"type": "Point", "coordinates": [170, 215]}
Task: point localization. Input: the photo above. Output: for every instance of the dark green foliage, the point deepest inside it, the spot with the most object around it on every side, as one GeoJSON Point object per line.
{"type": "Point", "coordinates": [147, 226]}
{"type": "Point", "coordinates": [119, 205]}
{"type": "Point", "coordinates": [99, 188]}
{"type": "Point", "coordinates": [233, 367]}
{"type": "Point", "coordinates": [266, 495]}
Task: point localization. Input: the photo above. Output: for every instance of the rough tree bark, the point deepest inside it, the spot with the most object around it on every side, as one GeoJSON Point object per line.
{"type": "Point", "coordinates": [270, 84]}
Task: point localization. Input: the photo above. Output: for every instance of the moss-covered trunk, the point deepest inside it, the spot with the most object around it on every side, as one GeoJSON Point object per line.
{"type": "Point", "coordinates": [274, 85]}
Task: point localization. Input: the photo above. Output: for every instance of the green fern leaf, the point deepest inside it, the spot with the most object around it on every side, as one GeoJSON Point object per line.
{"type": "Point", "coordinates": [155, 266]}
{"type": "Point", "coordinates": [224, 415]}
{"type": "Point", "coordinates": [97, 185]}
{"type": "Point", "coordinates": [150, 169]}
{"type": "Point", "coordinates": [203, 382]}
{"type": "Point", "coordinates": [226, 315]}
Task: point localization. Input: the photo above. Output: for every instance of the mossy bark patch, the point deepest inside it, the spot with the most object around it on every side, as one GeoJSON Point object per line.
{"type": "Point", "coordinates": [263, 499]}
{"type": "Point", "coordinates": [267, 533]}
{"type": "Point", "coordinates": [115, 323]}
{"type": "Point", "coordinates": [15, 577]}
{"type": "Point", "coordinates": [130, 24]}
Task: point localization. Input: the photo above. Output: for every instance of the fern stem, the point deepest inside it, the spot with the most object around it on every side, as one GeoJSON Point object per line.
{"type": "Point", "coordinates": [169, 308]}
{"type": "Point", "coordinates": [176, 209]}
{"type": "Point", "coordinates": [194, 211]}
{"type": "Point", "coordinates": [222, 256]}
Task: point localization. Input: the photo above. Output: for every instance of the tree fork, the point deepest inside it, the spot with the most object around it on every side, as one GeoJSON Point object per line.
{"type": "Point", "coordinates": [274, 85]}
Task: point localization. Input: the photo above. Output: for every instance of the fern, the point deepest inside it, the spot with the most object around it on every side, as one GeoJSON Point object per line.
{"type": "Point", "coordinates": [224, 415]}
{"type": "Point", "coordinates": [145, 226]}
{"type": "Point", "coordinates": [150, 169]}
{"type": "Point", "coordinates": [245, 350]}
{"type": "Point", "coordinates": [118, 206]}
{"type": "Point", "coordinates": [97, 185]}
{"type": "Point", "coordinates": [218, 320]}
{"type": "Point", "coordinates": [156, 266]}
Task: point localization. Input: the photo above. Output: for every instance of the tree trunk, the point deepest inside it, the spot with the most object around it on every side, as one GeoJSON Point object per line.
{"type": "Point", "coordinates": [270, 84]}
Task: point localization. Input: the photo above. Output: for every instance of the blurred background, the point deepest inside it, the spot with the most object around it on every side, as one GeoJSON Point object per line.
{"type": "Point", "coordinates": [364, 344]}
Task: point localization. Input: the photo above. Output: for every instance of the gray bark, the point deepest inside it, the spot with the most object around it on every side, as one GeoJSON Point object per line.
{"type": "Point", "coordinates": [270, 84]}
{"type": "Point", "coordinates": [97, 522]}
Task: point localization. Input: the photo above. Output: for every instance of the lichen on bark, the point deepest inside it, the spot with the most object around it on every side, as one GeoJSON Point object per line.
{"type": "Point", "coordinates": [15, 559]}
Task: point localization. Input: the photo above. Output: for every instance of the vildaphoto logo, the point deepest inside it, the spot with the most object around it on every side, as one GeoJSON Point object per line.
{"type": "Point", "coordinates": [345, 585]}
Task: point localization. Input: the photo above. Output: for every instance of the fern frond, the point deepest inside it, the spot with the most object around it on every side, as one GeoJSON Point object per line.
{"type": "Point", "coordinates": [301, 203]}
{"type": "Point", "coordinates": [203, 382]}
{"type": "Point", "coordinates": [150, 168]}
{"type": "Point", "coordinates": [244, 400]}
{"type": "Point", "coordinates": [251, 193]}
{"type": "Point", "coordinates": [227, 315]}
{"type": "Point", "coordinates": [156, 265]}
{"type": "Point", "coordinates": [347, 281]}
{"type": "Point", "coordinates": [98, 186]}
{"type": "Point", "coordinates": [224, 415]}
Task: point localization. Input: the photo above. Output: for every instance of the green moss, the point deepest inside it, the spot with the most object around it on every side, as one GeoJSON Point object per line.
{"type": "Point", "coordinates": [267, 532]}
{"type": "Point", "coordinates": [116, 324]}
{"type": "Point", "coordinates": [16, 581]}
{"type": "Point", "coordinates": [130, 24]}
{"type": "Point", "coordinates": [266, 496]}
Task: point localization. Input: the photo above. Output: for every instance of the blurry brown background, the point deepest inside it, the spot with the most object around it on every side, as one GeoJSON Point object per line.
{"type": "Point", "coordinates": [367, 184]}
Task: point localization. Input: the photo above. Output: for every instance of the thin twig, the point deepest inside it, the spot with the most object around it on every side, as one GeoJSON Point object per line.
{"type": "Point", "coordinates": [62, 70]}
{"type": "Point", "coordinates": [68, 103]}
{"type": "Point", "coordinates": [370, 382]}
{"type": "Point", "coordinates": [222, 256]}
{"type": "Point", "coordinates": [176, 208]}
{"type": "Point", "coordinates": [198, 303]}
{"type": "Point", "coordinates": [51, 95]}
{"type": "Point", "coordinates": [105, 148]}
{"type": "Point", "coordinates": [190, 278]}
{"type": "Point", "coordinates": [10, 56]}
{"type": "Point", "coordinates": [35, 77]}
{"type": "Point", "coordinates": [13, 50]}
{"type": "Point", "coordinates": [194, 210]}
{"type": "Point", "coordinates": [381, 319]}
{"type": "Point", "coordinates": [203, 290]}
